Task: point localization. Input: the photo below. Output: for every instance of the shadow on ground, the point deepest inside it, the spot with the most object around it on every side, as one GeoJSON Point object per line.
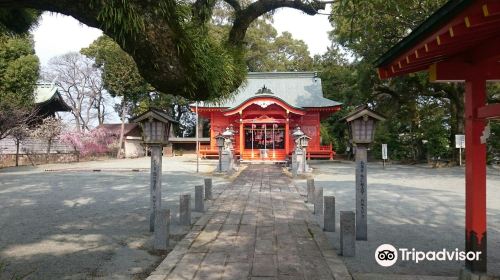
{"type": "Point", "coordinates": [82, 225]}
{"type": "Point", "coordinates": [410, 207]}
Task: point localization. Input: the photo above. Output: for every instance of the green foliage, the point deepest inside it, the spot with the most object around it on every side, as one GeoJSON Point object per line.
{"type": "Point", "coordinates": [18, 75]}
{"type": "Point", "coordinates": [18, 21]}
{"type": "Point", "coordinates": [369, 27]}
{"type": "Point", "coordinates": [120, 74]}
{"type": "Point", "coordinates": [416, 109]}
{"type": "Point", "coordinates": [19, 69]}
{"type": "Point", "coordinates": [265, 50]}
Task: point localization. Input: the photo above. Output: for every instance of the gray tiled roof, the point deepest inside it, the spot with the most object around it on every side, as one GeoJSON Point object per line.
{"type": "Point", "coordinates": [298, 89]}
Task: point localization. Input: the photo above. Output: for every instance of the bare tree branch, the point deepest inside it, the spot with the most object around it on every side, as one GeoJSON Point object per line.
{"type": "Point", "coordinates": [246, 16]}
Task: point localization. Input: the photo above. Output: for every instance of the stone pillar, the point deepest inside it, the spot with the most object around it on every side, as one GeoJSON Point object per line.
{"type": "Point", "coordinates": [361, 193]}
{"type": "Point", "coordinates": [227, 161]}
{"type": "Point", "coordinates": [208, 188]}
{"type": "Point", "coordinates": [318, 201]}
{"type": "Point", "coordinates": [185, 210]}
{"type": "Point", "coordinates": [310, 190]}
{"type": "Point", "coordinates": [329, 221]}
{"type": "Point", "coordinates": [347, 234]}
{"type": "Point", "coordinates": [199, 204]}
{"type": "Point", "coordinates": [155, 184]}
{"type": "Point", "coordinates": [200, 126]}
{"type": "Point", "coordinates": [162, 229]}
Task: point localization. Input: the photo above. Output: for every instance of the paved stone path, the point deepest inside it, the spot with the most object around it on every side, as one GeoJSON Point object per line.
{"type": "Point", "coordinates": [258, 228]}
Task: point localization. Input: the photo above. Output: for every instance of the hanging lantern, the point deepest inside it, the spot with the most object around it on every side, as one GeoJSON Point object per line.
{"type": "Point", "coordinates": [155, 126]}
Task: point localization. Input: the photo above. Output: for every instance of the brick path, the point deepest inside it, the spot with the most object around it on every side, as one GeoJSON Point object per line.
{"type": "Point", "coordinates": [258, 228]}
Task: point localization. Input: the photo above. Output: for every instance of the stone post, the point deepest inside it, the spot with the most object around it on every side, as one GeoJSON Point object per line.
{"type": "Point", "coordinates": [310, 190]}
{"type": "Point", "coordinates": [318, 201]}
{"type": "Point", "coordinates": [329, 220]}
{"type": "Point", "coordinates": [347, 234]}
{"type": "Point", "coordinates": [185, 210]}
{"type": "Point", "coordinates": [361, 193]}
{"type": "Point", "coordinates": [208, 188]}
{"type": "Point", "coordinates": [199, 203]}
{"type": "Point", "coordinates": [155, 184]}
{"type": "Point", "coordinates": [162, 229]}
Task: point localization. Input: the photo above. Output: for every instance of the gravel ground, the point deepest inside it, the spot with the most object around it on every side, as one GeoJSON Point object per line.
{"type": "Point", "coordinates": [410, 207]}
{"type": "Point", "coordinates": [73, 223]}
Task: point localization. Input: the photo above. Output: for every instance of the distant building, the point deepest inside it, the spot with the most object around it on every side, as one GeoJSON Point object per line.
{"type": "Point", "coordinates": [264, 112]}
{"type": "Point", "coordinates": [48, 100]}
{"type": "Point", "coordinates": [132, 138]}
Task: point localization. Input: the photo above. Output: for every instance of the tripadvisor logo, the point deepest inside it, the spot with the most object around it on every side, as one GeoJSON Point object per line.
{"type": "Point", "coordinates": [387, 255]}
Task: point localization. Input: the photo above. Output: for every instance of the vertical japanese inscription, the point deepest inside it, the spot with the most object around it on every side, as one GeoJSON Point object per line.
{"type": "Point", "coordinates": [361, 194]}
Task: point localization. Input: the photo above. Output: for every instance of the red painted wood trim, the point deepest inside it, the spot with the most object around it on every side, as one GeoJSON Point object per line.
{"type": "Point", "coordinates": [490, 111]}
{"type": "Point", "coordinates": [275, 100]}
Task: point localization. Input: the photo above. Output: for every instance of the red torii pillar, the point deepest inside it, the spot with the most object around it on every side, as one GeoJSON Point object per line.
{"type": "Point", "coordinates": [476, 114]}
{"type": "Point", "coordinates": [475, 173]}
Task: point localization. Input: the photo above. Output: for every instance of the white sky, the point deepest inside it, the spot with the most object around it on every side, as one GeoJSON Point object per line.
{"type": "Point", "coordinates": [58, 34]}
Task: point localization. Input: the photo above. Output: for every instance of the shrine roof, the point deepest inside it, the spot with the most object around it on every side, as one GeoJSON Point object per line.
{"type": "Point", "coordinates": [297, 89]}
{"type": "Point", "coordinates": [47, 95]}
{"type": "Point", "coordinates": [460, 28]}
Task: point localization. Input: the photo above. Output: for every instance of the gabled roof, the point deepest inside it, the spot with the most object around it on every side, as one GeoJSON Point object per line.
{"type": "Point", "coordinates": [47, 95]}
{"type": "Point", "coordinates": [155, 114]}
{"type": "Point", "coordinates": [362, 111]}
{"type": "Point", "coordinates": [461, 31]}
{"type": "Point", "coordinates": [426, 28]}
{"type": "Point", "coordinates": [297, 89]}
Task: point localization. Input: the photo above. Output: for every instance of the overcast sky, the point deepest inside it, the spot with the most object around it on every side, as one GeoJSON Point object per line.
{"type": "Point", "coordinates": [58, 34]}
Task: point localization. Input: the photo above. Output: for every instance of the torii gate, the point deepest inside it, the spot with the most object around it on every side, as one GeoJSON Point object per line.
{"type": "Point", "coordinates": [460, 42]}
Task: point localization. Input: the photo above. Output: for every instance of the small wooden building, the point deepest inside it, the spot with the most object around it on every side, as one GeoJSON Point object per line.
{"type": "Point", "coordinates": [132, 138]}
{"type": "Point", "coordinates": [264, 112]}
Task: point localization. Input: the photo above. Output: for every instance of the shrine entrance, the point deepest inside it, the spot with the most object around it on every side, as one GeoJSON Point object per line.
{"type": "Point", "coordinates": [265, 141]}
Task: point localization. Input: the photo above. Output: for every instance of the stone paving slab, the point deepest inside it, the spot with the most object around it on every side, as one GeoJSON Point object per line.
{"type": "Point", "coordinates": [258, 228]}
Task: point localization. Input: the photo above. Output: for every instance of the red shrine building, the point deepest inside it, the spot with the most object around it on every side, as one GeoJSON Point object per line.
{"type": "Point", "coordinates": [264, 112]}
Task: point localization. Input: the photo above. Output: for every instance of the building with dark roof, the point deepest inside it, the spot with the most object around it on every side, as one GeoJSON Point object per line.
{"type": "Point", "coordinates": [48, 100]}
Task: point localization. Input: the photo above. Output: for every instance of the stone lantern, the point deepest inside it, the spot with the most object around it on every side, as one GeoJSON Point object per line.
{"type": "Point", "coordinates": [361, 123]}
{"type": "Point", "coordinates": [228, 138]}
{"type": "Point", "coordinates": [299, 164]}
{"type": "Point", "coordinates": [220, 143]}
{"type": "Point", "coordinates": [226, 159]}
{"type": "Point", "coordinates": [303, 142]}
{"type": "Point", "coordinates": [155, 126]}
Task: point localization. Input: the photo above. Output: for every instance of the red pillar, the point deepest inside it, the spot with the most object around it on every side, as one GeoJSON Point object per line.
{"type": "Point", "coordinates": [242, 135]}
{"type": "Point", "coordinates": [287, 135]}
{"type": "Point", "coordinates": [475, 174]}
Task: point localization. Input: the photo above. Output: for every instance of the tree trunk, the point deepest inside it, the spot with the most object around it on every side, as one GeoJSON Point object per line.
{"type": "Point", "coordinates": [457, 113]}
{"type": "Point", "coordinates": [17, 152]}
{"type": "Point", "coordinates": [49, 143]}
{"type": "Point", "coordinates": [122, 129]}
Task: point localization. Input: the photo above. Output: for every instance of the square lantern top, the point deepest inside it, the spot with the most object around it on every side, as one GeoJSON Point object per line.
{"type": "Point", "coordinates": [303, 141]}
{"type": "Point", "coordinates": [155, 126]}
{"type": "Point", "coordinates": [362, 124]}
{"type": "Point", "coordinates": [220, 140]}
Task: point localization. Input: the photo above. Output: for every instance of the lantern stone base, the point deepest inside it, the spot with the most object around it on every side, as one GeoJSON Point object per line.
{"type": "Point", "coordinates": [299, 163]}
{"type": "Point", "coordinates": [227, 162]}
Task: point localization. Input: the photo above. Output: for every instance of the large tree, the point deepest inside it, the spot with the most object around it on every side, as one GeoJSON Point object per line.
{"type": "Point", "coordinates": [366, 29]}
{"type": "Point", "coordinates": [19, 69]}
{"type": "Point", "coordinates": [81, 86]}
{"type": "Point", "coordinates": [168, 39]}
